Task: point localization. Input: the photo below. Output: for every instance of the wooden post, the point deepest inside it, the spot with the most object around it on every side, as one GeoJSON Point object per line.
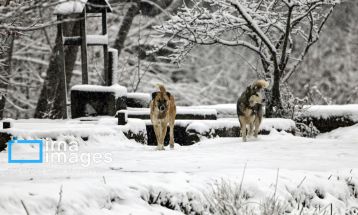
{"type": "Point", "coordinates": [105, 49]}
{"type": "Point", "coordinates": [6, 124]}
{"type": "Point", "coordinates": [84, 47]}
{"type": "Point", "coordinates": [61, 63]}
{"type": "Point", "coordinates": [112, 66]}
{"type": "Point", "coordinates": [122, 118]}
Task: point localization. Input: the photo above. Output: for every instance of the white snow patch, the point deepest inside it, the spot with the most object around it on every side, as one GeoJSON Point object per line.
{"type": "Point", "coordinates": [134, 125]}
{"type": "Point", "coordinates": [223, 110]}
{"type": "Point", "coordinates": [199, 127]}
{"type": "Point", "coordinates": [278, 124]}
{"type": "Point", "coordinates": [141, 96]}
{"type": "Point", "coordinates": [116, 88]}
{"type": "Point", "coordinates": [326, 111]}
{"type": "Point", "coordinates": [180, 110]}
{"type": "Point", "coordinates": [36, 128]}
{"type": "Point", "coordinates": [70, 7]}
{"type": "Point", "coordinates": [267, 124]}
{"type": "Point", "coordinates": [346, 133]}
{"type": "Point", "coordinates": [97, 39]}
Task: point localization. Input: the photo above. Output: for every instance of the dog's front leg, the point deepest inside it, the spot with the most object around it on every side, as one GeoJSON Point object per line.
{"type": "Point", "coordinates": [163, 133]}
{"type": "Point", "coordinates": [157, 131]}
{"type": "Point", "coordinates": [251, 129]}
{"type": "Point", "coordinates": [257, 126]}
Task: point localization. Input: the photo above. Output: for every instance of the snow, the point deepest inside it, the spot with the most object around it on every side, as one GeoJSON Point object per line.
{"type": "Point", "coordinates": [326, 111]}
{"type": "Point", "coordinates": [70, 7]}
{"type": "Point", "coordinates": [117, 89]}
{"type": "Point", "coordinates": [134, 125]}
{"type": "Point", "coordinates": [36, 128]}
{"type": "Point", "coordinates": [346, 133]}
{"type": "Point", "coordinates": [277, 123]}
{"type": "Point", "coordinates": [268, 124]}
{"type": "Point", "coordinates": [182, 175]}
{"type": "Point", "coordinates": [203, 112]}
{"type": "Point", "coordinates": [97, 39]}
{"type": "Point", "coordinates": [223, 110]}
{"type": "Point", "coordinates": [180, 110]}
{"type": "Point", "coordinates": [140, 96]}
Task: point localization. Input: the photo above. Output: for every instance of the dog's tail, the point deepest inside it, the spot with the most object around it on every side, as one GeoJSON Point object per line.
{"type": "Point", "coordinates": [161, 88]}
{"type": "Point", "coordinates": [261, 84]}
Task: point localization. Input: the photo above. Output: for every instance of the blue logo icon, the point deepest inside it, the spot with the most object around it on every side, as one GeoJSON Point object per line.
{"type": "Point", "coordinates": [11, 143]}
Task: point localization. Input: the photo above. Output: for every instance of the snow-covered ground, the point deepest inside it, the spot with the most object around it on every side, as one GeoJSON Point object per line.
{"type": "Point", "coordinates": [128, 176]}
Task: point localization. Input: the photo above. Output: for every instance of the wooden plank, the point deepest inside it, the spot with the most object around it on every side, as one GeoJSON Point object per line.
{"type": "Point", "coordinates": [92, 40]}
{"type": "Point", "coordinates": [72, 41]}
{"type": "Point", "coordinates": [84, 61]}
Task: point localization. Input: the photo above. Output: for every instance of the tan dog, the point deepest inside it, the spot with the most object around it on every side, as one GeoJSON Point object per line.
{"type": "Point", "coordinates": [249, 108]}
{"type": "Point", "coordinates": [162, 112]}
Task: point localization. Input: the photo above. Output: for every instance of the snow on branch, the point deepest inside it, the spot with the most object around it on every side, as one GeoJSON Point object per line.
{"type": "Point", "coordinates": [269, 28]}
{"type": "Point", "coordinates": [12, 16]}
{"type": "Point", "coordinates": [254, 26]}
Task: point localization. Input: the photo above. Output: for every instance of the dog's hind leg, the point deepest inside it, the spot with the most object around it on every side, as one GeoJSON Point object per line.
{"type": "Point", "coordinates": [243, 128]}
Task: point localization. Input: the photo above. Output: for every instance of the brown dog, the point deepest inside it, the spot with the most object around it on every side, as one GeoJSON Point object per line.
{"type": "Point", "coordinates": [249, 108]}
{"type": "Point", "coordinates": [162, 112]}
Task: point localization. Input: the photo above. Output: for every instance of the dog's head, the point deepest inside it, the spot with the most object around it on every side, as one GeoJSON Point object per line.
{"type": "Point", "coordinates": [255, 93]}
{"type": "Point", "coordinates": [259, 85]}
{"type": "Point", "coordinates": [161, 101]}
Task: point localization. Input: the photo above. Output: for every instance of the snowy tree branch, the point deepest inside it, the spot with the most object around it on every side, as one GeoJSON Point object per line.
{"type": "Point", "coordinates": [309, 43]}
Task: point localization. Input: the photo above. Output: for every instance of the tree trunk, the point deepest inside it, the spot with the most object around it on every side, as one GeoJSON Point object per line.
{"type": "Point", "coordinates": [50, 103]}
{"type": "Point", "coordinates": [133, 10]}
{"type": "Point", "coordinates": [5, 71]}
{"type": "Point", "coordinates": [6, 74]}
{"type": "Point", "coordinates": [274, 107]}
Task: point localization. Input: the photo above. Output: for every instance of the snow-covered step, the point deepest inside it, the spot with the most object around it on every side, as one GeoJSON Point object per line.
{"type": "Point", "coordinates": [188, 132]}
{"type": "Point", "coordinates": [182, 113]}
{"type": "Point", "coordinates": [328, 117]}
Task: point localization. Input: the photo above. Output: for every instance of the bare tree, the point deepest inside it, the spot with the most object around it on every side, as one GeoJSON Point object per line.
{"type": "Point", "coordinates": [17, 19]}
{"type": "Point", "coordinates": [272, 30]}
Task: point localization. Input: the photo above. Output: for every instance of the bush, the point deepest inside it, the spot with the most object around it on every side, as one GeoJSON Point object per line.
{"type": "Point", "coordinates": [226, 198]}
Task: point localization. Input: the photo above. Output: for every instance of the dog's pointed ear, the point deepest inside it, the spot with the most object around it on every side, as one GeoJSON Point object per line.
{"type": "Point", "coordinates": [154, 95]}
{"type": "Point", "coordinates": [168, 94]}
